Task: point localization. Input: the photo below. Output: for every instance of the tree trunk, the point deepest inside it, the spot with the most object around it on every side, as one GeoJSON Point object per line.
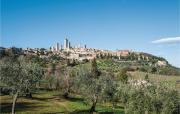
{"type": "Point", "coordinates": [66, 95]}
{"type": "Point", "coordinates": [29, 95]}
{"type": "Point", "coordinates": [93, 107]}
{"type": "Point", "coordinates": [146, 112]}
{"type": "Point", "coordinates": [14, 102]}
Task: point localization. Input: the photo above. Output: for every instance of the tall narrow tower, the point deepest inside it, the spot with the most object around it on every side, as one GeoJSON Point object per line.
{"type": "Point", "coordinates": [57, 47]}
{"type": "Point", "coordinates": [69, 45]}
{"type": "Point", "coordinates": [66, 43]}
{"type": "Point", "coordinates": [61, 47]}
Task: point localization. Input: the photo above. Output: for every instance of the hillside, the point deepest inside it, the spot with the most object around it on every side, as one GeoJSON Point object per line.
{"type": "Point", "coordinates": [107, 60]}
{"type": "Point", "coordinates": [115, 66]}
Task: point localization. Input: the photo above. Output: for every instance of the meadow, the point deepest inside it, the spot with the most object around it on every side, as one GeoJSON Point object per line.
{"type": "Point", "coordinates": [52, 102]}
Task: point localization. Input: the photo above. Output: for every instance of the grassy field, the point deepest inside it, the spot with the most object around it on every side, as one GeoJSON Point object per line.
{"type": "Point", "coordinates": [155, 77]}
{"type": "Point", "coordinates": [172, 80]}
{"type": "Point", "coordinates": [50, 102]}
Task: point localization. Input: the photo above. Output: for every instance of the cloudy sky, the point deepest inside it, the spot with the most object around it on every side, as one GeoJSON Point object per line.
{"type": "Point", "coordinates": [141, 25]}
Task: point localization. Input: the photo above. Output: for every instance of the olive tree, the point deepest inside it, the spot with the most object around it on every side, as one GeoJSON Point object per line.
{"type": "Point", "coordinates": [139, 101]}
{"type": "Point", "coordinates": [67, 82]}
{"type": "Point", "coordinates": [123, 76]}
{"type": "Point", "coordinates": [165, 99]}
{"type": "Point", "coordinates": [94, 88]}
{"type": "Point", "coordinates": [20, 76]}
{"type": "Point", "coordinates": [156, 98]}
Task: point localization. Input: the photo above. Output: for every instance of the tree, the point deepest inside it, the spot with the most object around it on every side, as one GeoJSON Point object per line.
{"type": "Point", "coordinates": [61, 78]}
{"type": "Point", "coordinates": [94, 69]}
{"type": "Point", "coordinates": [122, 94]}
{"type": "Point", "coordinates": [156, 98]}
{"type": "Point", "coordinates": [13, 52]}
{"type": "Point", "coordinates": [50, 81]}
{"type": "Point", "coordinates": [154, 70]}
{"type": "Point", "coordinates": [164, 99]}
{"type": "Point", "coordinates": [146, 77]}
{"type": "Point", "coordinates": [67, 82]}
{"type": "Point", "coordinates": [20, 76]}
{"type": "Point", "coordinates": [143, 69]}
{"type": "Point", "coordinates": [2, 52]}
{"type": "Point", "coordinates": [139, 101]}
{"type": "Point", "coordinates": [123, 76]}
{"type": "Point", "coordinates": [94, 88]}
{"type": "Point", "coordinates": [53, 68]}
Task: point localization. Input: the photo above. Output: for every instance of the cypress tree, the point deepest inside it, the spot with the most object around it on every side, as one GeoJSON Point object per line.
{"type": "Point", "coordinates": [94, 69]}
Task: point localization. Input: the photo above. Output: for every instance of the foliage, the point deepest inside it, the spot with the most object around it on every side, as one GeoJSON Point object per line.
{"type": "Point", "coordinates": [123, 76]}
{"type": "Point", "coordinates": [146, 77]}
{"type": "Point", "coordinates": [157, 98]}
{"type": "Point", "coordinates": [93, 88]}
{"type": "Point", "coordinates": [153, 70]}
{"type": "Point", "coordinates": [67, 82]}
{"type": "Point", "coordinates": [13, 52]}
{"type": "Point", "coordinates": [94, 69]}
{"type": "Point", "coordinates": [55, 57]}
{"type": "Point", "coordinates": [169, 70]}
{"type": "Point", "coordinates": [144, 69]}
{"type": "Point", "coordinates": [20, 75]}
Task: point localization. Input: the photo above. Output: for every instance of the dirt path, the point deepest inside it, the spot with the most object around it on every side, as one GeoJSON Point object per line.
{"type": "Point", "coordinates": [61, 104]}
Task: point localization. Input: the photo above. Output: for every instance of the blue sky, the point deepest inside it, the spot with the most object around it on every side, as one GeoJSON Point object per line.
{"type": "Point", "coordinates": [103, 24]}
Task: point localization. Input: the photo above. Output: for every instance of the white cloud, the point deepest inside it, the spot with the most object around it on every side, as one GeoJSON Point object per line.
{"type": "Point", "coordinates": [167, 40]}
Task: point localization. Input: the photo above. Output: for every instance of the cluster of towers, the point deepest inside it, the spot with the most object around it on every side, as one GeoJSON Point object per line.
{"type": "Point", "coordinates": [67, 46]}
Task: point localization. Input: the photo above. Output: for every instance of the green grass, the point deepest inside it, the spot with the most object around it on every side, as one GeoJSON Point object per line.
{"type": "Point", "coordinates": [52, 103]}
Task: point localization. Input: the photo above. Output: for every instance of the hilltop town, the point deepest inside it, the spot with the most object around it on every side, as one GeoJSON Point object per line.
{"type": "Point", "coordinates": [81, 52]}
{"type": "Point", "coordinates": [78, 52]}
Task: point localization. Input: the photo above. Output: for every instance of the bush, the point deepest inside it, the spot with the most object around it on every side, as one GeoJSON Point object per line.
{"type": "Point", "coordinates": [143, 69]}
{"type": "Point", "coordinates": [5, 90]}
{"type": "Point", "coordinates": [153, 70]}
